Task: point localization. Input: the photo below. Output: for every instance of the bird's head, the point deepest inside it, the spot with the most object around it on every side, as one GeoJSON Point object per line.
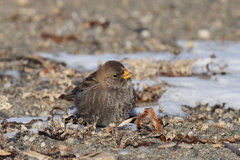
{"type": "Point", "coordinates": [113, 74]}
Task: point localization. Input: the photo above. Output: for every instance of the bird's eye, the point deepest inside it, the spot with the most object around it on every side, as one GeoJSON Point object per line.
{"type": "Point", "coordinates": [115, 76]}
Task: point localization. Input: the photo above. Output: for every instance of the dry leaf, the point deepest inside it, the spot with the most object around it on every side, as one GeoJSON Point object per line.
{"type": "Point", "coordinates": [217, 145]}
{"type": "Point", "coordinates": [58, 39]}
{"type": "Point", "coordinates": [126, 122]}
{"type": "Point", "coordinates": [186, 139]}
{"type": "Point", "coordinates": [128, 143]}
{"type": "Point", "coordinates": [4, 103]}
{"type": "Point", "coordinates": [35, 155]}
{"type": "Point", "coordinates": [167, 145]}
{"type": "Point", "coordinates": [4, 153]}
{"type": "Point", "coordinates": [64, 150]}
{"type": "Point", "coordinates": [184, 145]}
{"type": "Point", "coordinates": [149, 112]}
{"type": "Point", "coordinates": [204, 127]}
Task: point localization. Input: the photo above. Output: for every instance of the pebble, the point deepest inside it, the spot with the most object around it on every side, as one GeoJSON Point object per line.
{"type": "Point", "coordinates": [123, 152]}
{"type": "Point", "coordinates": [204, 33]}
{"type": "Point", "coordinates": [31, 139]}
{"type": "Point", "coordinates": [145, 33]}
{"type": "Point", "coordinates": [197, 147]}
{"type": "Point", "coordinates": [210, 122]}
{"type": "Point", "coordinates": [70, 140]}
{"type": "Point", "coordinates": [184, 145]}
{"type": "Point", "coordinates": [130, 127]}
{"type": "Point", "coordinates": [43, 144]}
{"type": "Point", "coordinates": [44, 113]}
{"type": "Point", "coordinates": [227, 120]}
{"type": "Point", "coordinates": [7, 85]}
{"type": "Point", "coordinates": [144, 149]}
{"type": "Point", "coordinates": [25, 138]}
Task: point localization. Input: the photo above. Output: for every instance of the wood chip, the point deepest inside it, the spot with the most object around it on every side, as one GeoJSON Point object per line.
{"type": "Point", "coordinates": [35, 154]}
{"type": "Point", "coordinates": [185, 145]}
{"type": "Point", "coordinates": [167, 145]}
{"type": "Point", "coordinates": [126, 122]}
{"type": "Point", "coordinates": [217, 145]}
{"type": "Point", "coordinates": [4, 153]}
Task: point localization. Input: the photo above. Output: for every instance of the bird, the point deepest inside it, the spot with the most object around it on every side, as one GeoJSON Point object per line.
{"type": "Point", "coordinates": [105, 96]}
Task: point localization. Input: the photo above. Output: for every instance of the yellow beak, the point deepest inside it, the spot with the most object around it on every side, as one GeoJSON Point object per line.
{"type": "Point", "coordinates": [126, 74]}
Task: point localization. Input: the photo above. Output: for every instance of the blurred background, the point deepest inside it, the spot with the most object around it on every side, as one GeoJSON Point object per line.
{"type": "Point", "coordinates": [123, 26]}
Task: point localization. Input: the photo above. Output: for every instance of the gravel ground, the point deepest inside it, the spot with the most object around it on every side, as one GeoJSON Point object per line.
{"type": "Point", "coordinates": [96, 27]}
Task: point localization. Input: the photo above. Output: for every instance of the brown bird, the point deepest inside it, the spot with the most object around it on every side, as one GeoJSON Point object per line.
{"type": "Point", "coordinates": [105, 96]}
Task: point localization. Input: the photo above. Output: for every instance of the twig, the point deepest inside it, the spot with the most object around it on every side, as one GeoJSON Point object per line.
{"type": "Point", "coordinates": [233, 148]}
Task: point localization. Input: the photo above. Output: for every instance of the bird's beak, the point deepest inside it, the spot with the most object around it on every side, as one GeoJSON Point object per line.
{"type": "Point", "coordinates": [126, 74]}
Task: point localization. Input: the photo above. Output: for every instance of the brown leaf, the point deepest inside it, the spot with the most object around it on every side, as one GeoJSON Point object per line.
{"type": "Point", "coordinates": [95, 23]}
{"type": "Point", "coordinates": [58, 39]}
{"type": "Point", "coordinates": [186, 139]}
{"type": "Point", "coordinates": [47, 70]}
{"type": "Point", "coordinates": [149, 112]}
{"type": "Point", "coordinates": [163, 138]}
{"type": "Point", "coordinates": [108, 130]}
{"type": "Point", "coordinates": [146, 144]}
{"type": "Point", "coordinates": [232, 140]}
{"type": "Point", "coordinates": [52, 150]}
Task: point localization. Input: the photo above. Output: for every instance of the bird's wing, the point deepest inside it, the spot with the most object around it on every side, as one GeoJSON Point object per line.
{"type": "Point", "coordinates": [85, 85]}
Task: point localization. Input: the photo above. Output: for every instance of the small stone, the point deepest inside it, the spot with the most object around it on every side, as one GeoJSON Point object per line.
{"type": "Point", "coordinates": [11, 147]}
{"type": "Point", "coordinates": [7, 85]}
{"type": "Point", "coordinates": [190, 133]}
{"type": "Point", "coordinates": [144, 149]}
{"type": "Point", "coordinates": [204, 127]}
{"type": "Point", "coordinates": [123, 152]}
{"type": "Point", "coordinates": [70, 140]}
{"type": "Point", "coordinates": [64, 150]}
{"type": "Point", "coordinates": [130, 127]}
{"type": "Point", "coordinates": [145, 33]}
{"type": "Point", "coordinates": [227, 120]}
{"type": "Point", "coordinates": [210, 122]}
{"type": "Point", "coordinates": [197, 147]}
{"type": "Point", "coordinates": [204, 33]}
{"type": "Point", "coordinates": [44, 114]}
{"type": "Point", "coordinates": [184, 145]}
{"type": "Point", "coordinates": [31, 139]}
{"type": "Point", "coordinates": [25, 138]}
{"type": "Point", "coordinates": [43, 144]}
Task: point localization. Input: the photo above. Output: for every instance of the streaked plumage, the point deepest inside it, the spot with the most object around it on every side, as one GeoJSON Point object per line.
{"type": "Point", "coordinates": [106, 95]}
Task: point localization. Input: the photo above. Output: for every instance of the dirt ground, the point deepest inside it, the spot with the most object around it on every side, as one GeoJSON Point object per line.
{"type": "Point", "coordinates": [32, 86]}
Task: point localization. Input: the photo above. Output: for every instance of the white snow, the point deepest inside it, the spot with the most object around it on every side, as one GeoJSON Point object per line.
{"type": "Point", "coordinates": [188, 91]}
{"type": "Point", "coordinates": [24, 119]}
{"type": "Point", "coordinates": [185, 90]}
